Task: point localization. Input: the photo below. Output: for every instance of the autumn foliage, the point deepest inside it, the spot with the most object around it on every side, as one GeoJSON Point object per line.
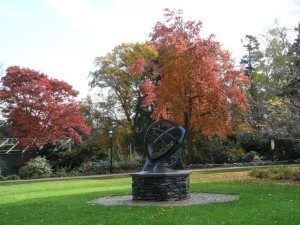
{"type": "Point", "coordinates": [40, 109]}
{"type": "Point", "coordinates": [198, 84]}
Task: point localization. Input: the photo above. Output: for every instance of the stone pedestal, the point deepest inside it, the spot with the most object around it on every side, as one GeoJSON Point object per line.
{"type": "Point", "coordinates": [168, 186]}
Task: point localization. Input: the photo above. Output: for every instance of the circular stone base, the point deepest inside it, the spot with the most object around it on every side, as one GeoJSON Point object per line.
{"type": "Point", "coordinates": [195, 199]}
{"type": "Point", "coordinates": [164, 186]}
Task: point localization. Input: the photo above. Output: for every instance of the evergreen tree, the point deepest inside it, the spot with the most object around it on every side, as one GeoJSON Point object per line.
{"type": "Point", "coordinates": [254, 67]}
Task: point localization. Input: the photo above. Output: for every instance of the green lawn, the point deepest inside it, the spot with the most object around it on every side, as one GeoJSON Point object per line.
{"type": "Point", "coordinates": [64, 202]}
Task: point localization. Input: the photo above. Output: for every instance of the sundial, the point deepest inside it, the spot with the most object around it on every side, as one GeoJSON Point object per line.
{"type": "Point", "coordinates": [163, 145]}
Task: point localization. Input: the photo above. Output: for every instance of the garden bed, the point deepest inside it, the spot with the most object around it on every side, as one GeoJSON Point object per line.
{"type": "Point", "coordinates": [277, 173]}
{"type": "Point", "coordinates": [244, 164]}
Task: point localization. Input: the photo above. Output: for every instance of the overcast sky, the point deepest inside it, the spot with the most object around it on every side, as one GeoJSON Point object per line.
{"type": "Point", "coordinates": [62, 37]}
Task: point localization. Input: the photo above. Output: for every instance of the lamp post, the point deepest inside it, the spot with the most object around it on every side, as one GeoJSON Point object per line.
{"type": "Point", "coordinates": [110, 146]}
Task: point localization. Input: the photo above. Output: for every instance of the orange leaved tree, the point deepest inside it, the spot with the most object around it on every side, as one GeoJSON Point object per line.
{"type": "Point", "coordinates": [198, 85]}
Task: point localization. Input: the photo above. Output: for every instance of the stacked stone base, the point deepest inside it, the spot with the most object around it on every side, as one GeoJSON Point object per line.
{"type": "Point", "coordinates": [169, 186]}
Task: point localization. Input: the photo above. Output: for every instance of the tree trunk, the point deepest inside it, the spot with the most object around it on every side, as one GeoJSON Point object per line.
{"type": "Point", "coordinates": [189, 132]}
{"type": "Point", "coordinates": [189, 146]}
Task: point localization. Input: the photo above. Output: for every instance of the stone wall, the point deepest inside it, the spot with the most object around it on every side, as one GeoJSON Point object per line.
{"type": "Point", "coordinates": [160, 186]}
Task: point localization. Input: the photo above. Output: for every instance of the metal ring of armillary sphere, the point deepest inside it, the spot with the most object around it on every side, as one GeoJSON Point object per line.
{"type": "Point", "coordinates": [163, 142]}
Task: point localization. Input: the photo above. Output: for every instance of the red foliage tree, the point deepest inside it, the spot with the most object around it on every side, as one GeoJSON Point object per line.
{"type": "Point", "coordinates": [198, 85]}
{"type": "Point", "coordinates": [40, 110]}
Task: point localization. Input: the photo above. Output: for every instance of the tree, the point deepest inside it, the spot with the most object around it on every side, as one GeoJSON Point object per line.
{"type": "Point", "coordinates": [102, 117]}
{"type": "Point", "coordinates": [273, 92]}
{"type": "Point", "coordinates": [118, 71]}
{"type": "Point", "coordinates": [269, 70]}
{"type": "Point", "coordinates": [254, 65]}
{"type": "Point", "coordinates": [292, 90]}
{"type": "Point", "coordinates": [253, 58]}
{"type": "Point", "coordinates": [281, 119]}
{"type": "Point", "coordinates": [39, 109]}
{"type": "Point", "coordinates": [285, 116]}
{"type": "Point", "coordinates": [277, 60]}
{"type": "Point", "coordinates": [98, 113]}
{"type": "Point", "coordinates": [198, 85]}
{"type": "Point", "coordinates": [114, 73]}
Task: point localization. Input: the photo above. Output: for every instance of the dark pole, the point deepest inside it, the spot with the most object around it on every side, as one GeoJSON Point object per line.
{"type": "Point", "coordinates": [111, 156]}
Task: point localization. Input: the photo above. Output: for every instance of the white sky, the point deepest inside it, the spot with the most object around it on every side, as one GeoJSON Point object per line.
{"type": "Point", "coordinates": [62, 37]}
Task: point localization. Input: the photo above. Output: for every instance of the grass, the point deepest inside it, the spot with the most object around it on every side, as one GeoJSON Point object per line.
{"type": "Point", "coordinates": [64, 202]}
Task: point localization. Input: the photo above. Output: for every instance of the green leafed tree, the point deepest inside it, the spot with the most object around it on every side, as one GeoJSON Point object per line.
{"type": "Point", "coordinates": [254, 64]}
{"type": "Point", "coordinates": [112, 72]}
{"type": "Point", "coordinates": [270, 71]}
{"type": "Point", "coordinates": [292, 90]}
{"type": "Point", "coordinates": [119, 86]}
{"type": "Point", "coordinates": [274, 91]}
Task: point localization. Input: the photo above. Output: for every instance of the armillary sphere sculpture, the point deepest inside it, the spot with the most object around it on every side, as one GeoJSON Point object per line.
{"type": "Point", "coordinates": [163, 143]}
{"type": "Point", "coordinates": [159, 180]}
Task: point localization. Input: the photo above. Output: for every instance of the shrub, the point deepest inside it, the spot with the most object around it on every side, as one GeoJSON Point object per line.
{"type": "Point", "coordinates": [36, 168]}
{"type": "Point", "coordinates": [213, 150]}
{"type": "Point", "coordinates": [259, 173]}
{"type": "Point", "coordinates": [277, 173]}
{"type": "Point", "coordinates": [285, 149]}
{"type": "Point", "coordinates": [103, 166]}
{"type": "Point", "coordinates": [98, 167]}
{"type": "Point", "coordinates": [238, 152]}
{"type": "Point", "coordinates": [12, 177]}
{"type": "Point", "coordinates": [254, 141]}
{"type": "Point", "coordinates": [60, 172]}
{"type": "Point", "coordinates": [127, 164]}
{"type": "Point", "coordinates": [249, 157]}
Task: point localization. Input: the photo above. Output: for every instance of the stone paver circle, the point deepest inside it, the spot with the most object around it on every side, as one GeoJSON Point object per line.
{"type": "Point", "coordinates": [194, 199]}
